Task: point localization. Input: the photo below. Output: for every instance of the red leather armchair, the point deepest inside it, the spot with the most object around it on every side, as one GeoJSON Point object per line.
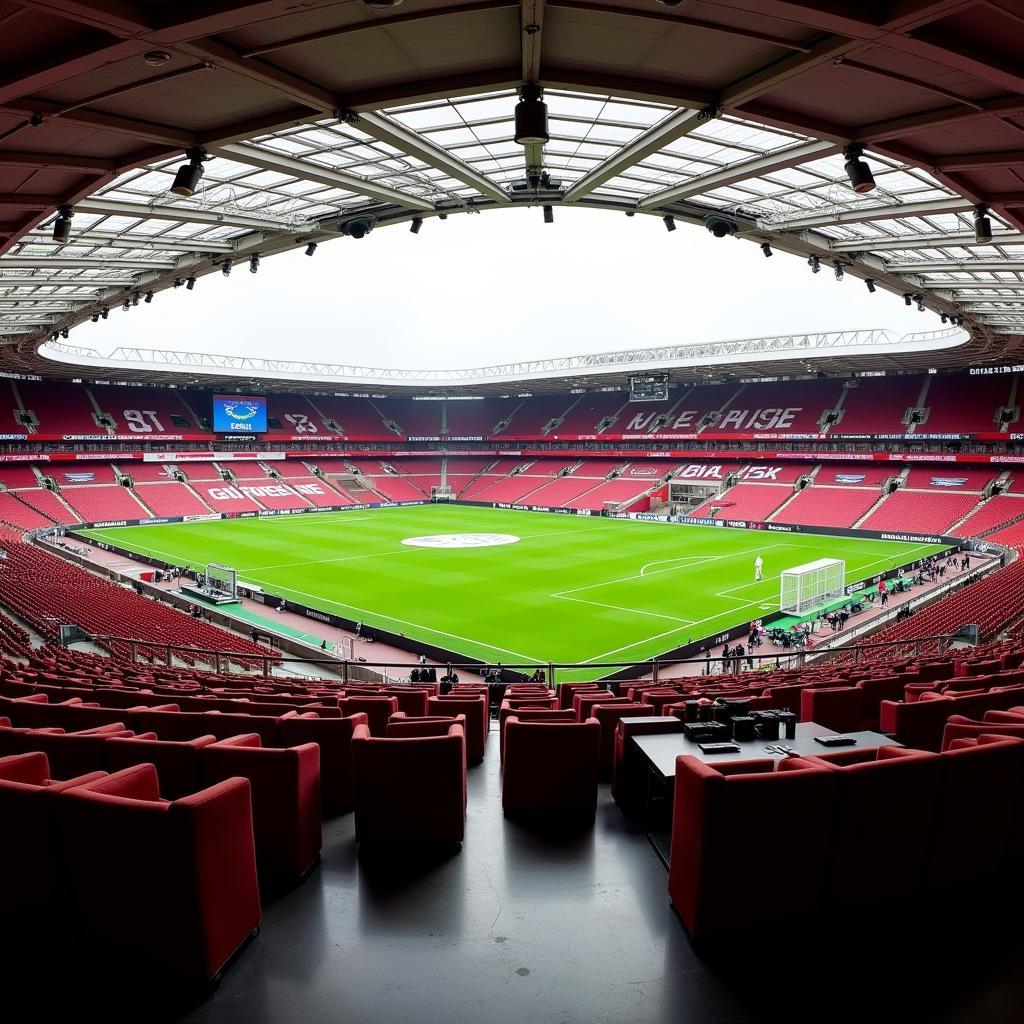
{"type": "Point", "coordinates": [285, 785]}
{"type": "Point", "coordinates": [118, 836]}
{"type": "Point", "coordinates": [729, 817]}
{"type": "Point", "coordinates": [477, 720]}
{"type": "Point", "coordinates": [410, 791]}
{"type": "Point", "coordinates": [550, 768]}
{"type": "Point", "coordinates": [334, 738]}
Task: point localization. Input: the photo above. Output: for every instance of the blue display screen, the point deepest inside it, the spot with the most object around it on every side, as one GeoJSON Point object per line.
{"type": "Point", "coordinates": [239, 414]}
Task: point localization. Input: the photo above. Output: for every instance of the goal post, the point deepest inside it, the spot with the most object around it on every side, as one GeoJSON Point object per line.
{"type": "Point", "coordinates": [806, 586]}
{"type": "Point", "coordinates": [221, 579]}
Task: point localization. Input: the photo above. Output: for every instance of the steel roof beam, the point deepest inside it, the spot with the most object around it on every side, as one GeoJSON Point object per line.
{"type": "Point", "coordinates": [157, 243]}
{"type": "Point", "coordinates": [656, 138]}
{"type": "Point", "coordinates": [62, 282]}
{"type": "Point", "coordinates": [28, 201]}
{"type": "Point", "coordinates": [305, 171]}
{"type": "Point", "coordinates": [785, 70]}
{"type": "Point", "coordinates": [384, 129]}
{"type": "Point", "coordinates": [971, 161]}
{"type": "Point", "coordinates": [180, 214]}
{"type": "Point", "coordinates": [956, 266]}
{"type": "Point", "coordinates": [531, 29]}
{"type": "Point", "coordinates": [931, 241]}
{"type": "Point", "coordinates": [861, 214]}
{"type": "Point", "coordinates": [790, 157]}
{"type": "Point", "coordinates": [81, 263]}
{"type": "Point", "coordinates": [25, 158]}
{"type": "Point", "coordinates": [962, 287]}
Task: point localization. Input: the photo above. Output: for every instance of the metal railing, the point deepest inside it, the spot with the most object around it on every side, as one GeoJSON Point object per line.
{"type": "Point", "coordinates": [248, 666]}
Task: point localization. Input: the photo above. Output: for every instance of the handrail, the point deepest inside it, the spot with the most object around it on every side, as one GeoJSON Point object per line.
{"type": "Point", "coordinates": [605, 669]}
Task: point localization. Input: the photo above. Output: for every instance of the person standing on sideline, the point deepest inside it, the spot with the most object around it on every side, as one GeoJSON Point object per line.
{"type": "Point", "coordinates": [758, 568]}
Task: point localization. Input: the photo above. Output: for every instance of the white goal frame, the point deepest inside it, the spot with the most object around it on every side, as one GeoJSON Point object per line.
{"type": "Point", "coordinates": [806, 586]}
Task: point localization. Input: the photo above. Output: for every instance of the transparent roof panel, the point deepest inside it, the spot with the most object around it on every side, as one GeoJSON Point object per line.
{"type": "Point", "coordinates": [452, 154]}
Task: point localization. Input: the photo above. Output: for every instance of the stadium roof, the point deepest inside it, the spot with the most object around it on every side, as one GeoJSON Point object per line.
{"type": "Point", "coordinates": [312, 117]}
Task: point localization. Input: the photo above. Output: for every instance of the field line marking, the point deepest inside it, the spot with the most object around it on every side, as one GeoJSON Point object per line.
{"type": "Point", "coordinates": [405, 622]}
{"type": "Point", "coordinates": [141, 549]}
{"type": "Point", "coordinates": [856, 572]}
{"type": "Point", "coordinates": [637, 576]}
{"type": "Point", "coordinates": [619, 608]}
{"type": "Point", "coordinates": [681, 558]}
{"type": "Point", "coordinates": [698, 622]}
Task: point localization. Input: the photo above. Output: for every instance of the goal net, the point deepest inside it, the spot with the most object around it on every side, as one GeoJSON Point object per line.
{"type": "Point", "coordinates": [221, 579]}
{"type": "Point", "coordinates": [440, 493]}
{"type": "Point", "coordinates": [805, 586]}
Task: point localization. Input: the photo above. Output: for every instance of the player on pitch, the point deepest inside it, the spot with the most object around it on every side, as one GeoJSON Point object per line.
{"type": "Point", "coordinates": [758, 569]}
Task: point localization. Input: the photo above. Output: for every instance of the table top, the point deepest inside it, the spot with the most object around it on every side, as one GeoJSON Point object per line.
{"type": "Point", "coordinates": [661, 749]}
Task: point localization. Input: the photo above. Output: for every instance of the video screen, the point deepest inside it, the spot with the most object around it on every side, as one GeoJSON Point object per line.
{"type": "Point", "coordinates": [648, 387]}
{"type": "Point", "coordinates": [239, 414]}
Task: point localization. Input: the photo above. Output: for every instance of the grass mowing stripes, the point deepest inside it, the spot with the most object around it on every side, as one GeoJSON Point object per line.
{"type": "Point", "coordinates": [571, 589]}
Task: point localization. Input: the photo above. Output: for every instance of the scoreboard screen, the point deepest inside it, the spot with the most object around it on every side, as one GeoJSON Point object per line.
{"type": "Point", "coordinates": [648, 387]}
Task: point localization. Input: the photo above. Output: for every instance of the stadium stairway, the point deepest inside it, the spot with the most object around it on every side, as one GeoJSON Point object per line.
{"type": "Point", "coordinates": [870, 512]}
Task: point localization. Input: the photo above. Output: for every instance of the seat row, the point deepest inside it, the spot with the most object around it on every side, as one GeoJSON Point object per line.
{"type": "Point", "coordinates": [284, 781]}
{"type": "Point", "coordinates": [107, 869]}
{"type": "Point", "coordinates": [840, 836]}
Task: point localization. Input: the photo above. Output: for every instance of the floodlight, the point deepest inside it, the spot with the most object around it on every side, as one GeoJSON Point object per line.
{"type": "Point", "coordinates": [186, 181]}
{"type": "Point", "coordinates": [982, 224]}
{"type": "Point", "coordinates": [531, 118]}
{"type": "Point", "coordinates": [857, 170]}
{"type": "Point", "coordinates": [62, 225]}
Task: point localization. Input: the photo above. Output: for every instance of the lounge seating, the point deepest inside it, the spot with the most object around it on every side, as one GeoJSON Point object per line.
{"type": "Point", "coordinates": [410, 791]}
{"type": "Point", "coordinates": [477, 720]}
{"type": "Point", "coordinates": [550, 769]}
{"type": "Point", "coordinates": [285, 800]}
{"type": "Point", "coordinates": [205, 903]}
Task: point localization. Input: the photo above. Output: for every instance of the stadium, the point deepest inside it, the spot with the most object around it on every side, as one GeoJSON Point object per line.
{"type": "Point", "coordinates": [677, 676]}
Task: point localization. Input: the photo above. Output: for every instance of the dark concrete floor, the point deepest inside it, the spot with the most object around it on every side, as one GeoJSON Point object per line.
{"type": "Point", "coordinates": [522, 929]}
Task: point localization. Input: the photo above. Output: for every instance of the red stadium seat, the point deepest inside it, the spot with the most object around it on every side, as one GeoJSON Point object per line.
{"type": "Point", "coordinates": [410, 791]}
{"type": "Point", "coordinates": [199, 847]}
{"type": "Point", "coordinates": [550, 769]}
{"type": "Point", "coordinates": [285, 786]}
{"type": "Point", "coordinates": [729, 817]}
{"type": "Point", "coordinates": [477, 720]}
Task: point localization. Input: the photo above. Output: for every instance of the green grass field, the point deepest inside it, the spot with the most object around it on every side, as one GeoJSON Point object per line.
{"type": "Point", "coordinates": [569, 589]}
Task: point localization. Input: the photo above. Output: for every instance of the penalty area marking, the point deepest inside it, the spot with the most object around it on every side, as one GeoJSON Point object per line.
{"type": "Point", "coordinates": [618, 608]}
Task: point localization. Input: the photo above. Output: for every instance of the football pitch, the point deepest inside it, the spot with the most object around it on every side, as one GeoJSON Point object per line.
{"type": "Point", "coordinates": [509, 586]}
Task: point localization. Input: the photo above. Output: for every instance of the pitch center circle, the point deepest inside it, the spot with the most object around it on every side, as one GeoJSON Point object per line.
{"type": "Point", "coordinates": [462, 540]}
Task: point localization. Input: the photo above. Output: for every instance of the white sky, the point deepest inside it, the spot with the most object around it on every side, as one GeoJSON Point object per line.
{"type": "Point", "coordinates": [478, 290]}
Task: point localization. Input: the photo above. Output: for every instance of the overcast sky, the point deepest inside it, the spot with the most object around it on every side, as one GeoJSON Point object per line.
{"type": "Point", "coordinates": [478, 290]}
